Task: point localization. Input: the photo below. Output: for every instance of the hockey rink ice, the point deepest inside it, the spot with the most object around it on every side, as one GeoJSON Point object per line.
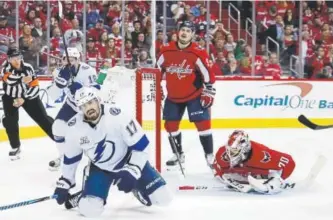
{"type": "Point", "coordinates": [29, 178]}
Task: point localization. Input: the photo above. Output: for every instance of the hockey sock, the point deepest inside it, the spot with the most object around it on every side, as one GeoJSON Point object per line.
{"type": "Point", "coordinates": [178, 140]}
{"type": "Point", "coordinates": [207, 143]}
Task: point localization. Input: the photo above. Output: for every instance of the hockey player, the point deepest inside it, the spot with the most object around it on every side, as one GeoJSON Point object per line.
{"type": "Point", "coordinates": [114, 144]}
{"type": "Point", "coordinates": [190, 85]}
{"type": "Point", "coordinates": [241, 159]}
{"type": "Point", "coordinates": [69, 77]}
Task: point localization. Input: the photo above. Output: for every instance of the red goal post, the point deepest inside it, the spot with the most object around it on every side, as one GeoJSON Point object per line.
{"type": "Point", "coordinates": [148, 89]}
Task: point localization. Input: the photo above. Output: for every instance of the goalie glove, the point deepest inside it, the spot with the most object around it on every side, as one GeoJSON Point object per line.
{"type": "Point", "coordinates": [207, 95]}
{"type": "Point", "coordinates": [272, 185]}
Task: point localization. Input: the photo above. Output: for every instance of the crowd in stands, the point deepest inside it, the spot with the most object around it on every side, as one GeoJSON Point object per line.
{"type": "Point", "coordinates": [231, 56]}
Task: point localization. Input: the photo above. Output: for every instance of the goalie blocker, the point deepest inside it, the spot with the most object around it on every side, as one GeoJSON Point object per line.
{"type": "Point", "coordinates": [245, 165]}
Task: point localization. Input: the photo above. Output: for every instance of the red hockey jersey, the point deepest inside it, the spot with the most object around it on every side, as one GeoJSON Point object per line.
{"type": "Point", "coordinates": [261, 160]}
{"type": "Point", "coordinates": [186, 70]}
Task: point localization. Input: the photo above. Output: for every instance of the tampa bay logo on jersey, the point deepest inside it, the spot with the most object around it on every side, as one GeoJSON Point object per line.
{"type": "Point", "coordinates": [179, 69]}
{"type": "Point", "coordinates": [104, 151]}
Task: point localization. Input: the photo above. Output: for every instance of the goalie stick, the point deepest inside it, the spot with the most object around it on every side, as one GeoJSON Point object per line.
{"type": "Point", "coordinates": [305, 121]}
{"type": "Point", "coordinates": [305, 183]}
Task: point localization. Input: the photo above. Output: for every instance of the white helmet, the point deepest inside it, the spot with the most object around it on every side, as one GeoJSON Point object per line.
{"type": "Point", "coordinates": [238, 147]}
{"type": "Point", "coordinates": [84, 95]}
{"type": "Point", "coordinates": [72, 52]}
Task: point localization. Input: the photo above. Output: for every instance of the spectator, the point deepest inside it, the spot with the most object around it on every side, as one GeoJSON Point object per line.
{"type": "Point", "coordinates": [289, 19]}
{"type": "Point", "coordinates": [29, 46]}
{"type": "Point", "coordinates": [103, 41]}
{"type": "Point", "coordinates": [136, 32]}
{"type": "Point", "coordinates": [141, 44]}
{"type": "Point", "coordinates": [177, 10]}
{"type": "Point", "coordinates": [159, 41]}
{"type": "Point", "coordinates": [316, 62]}
{"type": "Point", "coordinates": [274, 31]}
{"type": "Point", "coordinates": [143, 59]}
{"type": "Point", "coordinates": [240, 49]}
{"type": "Point", "coordinates": [186, 15]}
{"type": "Point", "coordinates": [173, 37]}
{"type": "Point", "coordinates": [37, 30]}
{"type": "Point", "coordinates": [231, 68]}
{"type": "Point", "coordinates": [97, 30]}
{"type": "Point", "coordinates": [308, 16]}
{"type": "Point", "coordinates": [116, 35]}
{"type": "Point", "coordinates": [230, 45]}
{"type": "Point", "coordinates": [111, 50]}
{"type": "Point", "coordinates": [273, 68]}
{"type": "Point", "coordinates": [93, 17]}
{"type": "Point", "coordinates": [220, 60]}
{"type": "Point", "coordinates": [326, 73]}
{"type": "Point", "coordinates": [113, 15]}
{"type": "Point", "coordinates": [128, 52]}
{"type": "Point", "coordinates": [93, 55]}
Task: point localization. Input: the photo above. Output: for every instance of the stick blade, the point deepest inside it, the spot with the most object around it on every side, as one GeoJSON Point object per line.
{"type": "Point", "coordinates": [305, 121]}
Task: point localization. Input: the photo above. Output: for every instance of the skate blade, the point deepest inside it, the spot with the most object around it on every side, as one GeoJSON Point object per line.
{"type": "Point", "coordinates": [53, 169]}
{"type": "Point", "coordinates": [175, 168]}
{"type": "Point", "coordinates": [13, 158]}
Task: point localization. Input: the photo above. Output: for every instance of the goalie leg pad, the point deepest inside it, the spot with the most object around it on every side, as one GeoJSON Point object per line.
{"type": "Point", "coordinates": [91, 206]}
{"type": "Point", "coordinates": [151, 188]}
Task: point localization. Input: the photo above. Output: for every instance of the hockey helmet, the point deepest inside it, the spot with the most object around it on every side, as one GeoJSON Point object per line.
{"type": "Point", "coordinates": [85, 95]}
{"type": "Point", "coordinates": [13, 52]}
{"type": "Point", "coordinates": [188, 24]}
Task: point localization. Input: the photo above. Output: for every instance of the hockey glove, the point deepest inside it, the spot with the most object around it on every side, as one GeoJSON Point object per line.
{"type": "Point", "coordinates": [128, 178]}
{"type": "Point", "coordinates": [62, 190]}
{"type": "Point", "coordinates": [207, 95]}
{"type": "Point", "coordinates": [64, 76]}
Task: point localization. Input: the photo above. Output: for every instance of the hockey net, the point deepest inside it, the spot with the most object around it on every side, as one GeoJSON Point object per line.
{"type": "Point", "coordinates": [136, 92]}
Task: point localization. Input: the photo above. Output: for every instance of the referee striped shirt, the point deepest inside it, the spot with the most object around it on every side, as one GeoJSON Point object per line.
{"type": "Point", "coordinates": [13, 85]}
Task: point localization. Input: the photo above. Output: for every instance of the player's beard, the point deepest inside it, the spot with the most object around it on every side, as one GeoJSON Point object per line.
{"type": "Point", "coordinates": [92, 115]}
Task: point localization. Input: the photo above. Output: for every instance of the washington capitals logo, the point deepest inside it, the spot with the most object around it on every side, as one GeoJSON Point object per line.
{"type": "Point", "coordinates": [100, 149]}
{"type": "Point", "coordinates": [180, 69]}
{"type": "Point", "coordinates": [267, 157]}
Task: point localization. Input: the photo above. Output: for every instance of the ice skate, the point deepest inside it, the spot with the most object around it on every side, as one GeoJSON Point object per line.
{"type": "Point", "coordinates": [172, 163]}
{"type": "Point", "coordinates": [73, 200]}
{"type": "Point", "coordinates": [14, 154]}
{"type": "Point", "coordinates": [54, 165]}
{"type": "Point", "coordinates": [210, 160]}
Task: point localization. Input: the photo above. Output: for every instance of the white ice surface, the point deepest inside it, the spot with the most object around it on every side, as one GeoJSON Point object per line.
{"type": "Point", "coordinates": [30, 178]}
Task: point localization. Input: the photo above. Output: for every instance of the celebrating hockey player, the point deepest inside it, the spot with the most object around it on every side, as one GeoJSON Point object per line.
{"type": "Point", "coordinates": [190, 85]}
{"type": "Point", "coordinates": [69, 77]}
{"type": "Point", "coordinates": [115, 144]}
{"type": "Point", "coordinates": [246, 165]}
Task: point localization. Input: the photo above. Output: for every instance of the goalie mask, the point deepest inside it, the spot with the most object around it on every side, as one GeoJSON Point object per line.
{"type": "Point", "coordinates": [88, 102]}
{"type": "Point", "coordinates": [238, 147]}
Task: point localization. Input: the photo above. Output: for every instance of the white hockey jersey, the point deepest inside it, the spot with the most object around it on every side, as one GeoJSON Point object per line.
{"type": "Point", "coordinates": [107, 144]}
{"type": "Point", "coordinates": [86, 76]}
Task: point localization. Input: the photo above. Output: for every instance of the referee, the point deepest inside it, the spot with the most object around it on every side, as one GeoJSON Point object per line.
{"type": "Point", "coordinates": [21, 88]}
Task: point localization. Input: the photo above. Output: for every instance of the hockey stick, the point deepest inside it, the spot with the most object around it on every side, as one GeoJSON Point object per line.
{"type": "Point", "coordinates": [305, 121]}
{"type": "Point", "coordinates": [28, 202]}
{"type": "Point", "coordinates": [305, 183]}
{"type": "Point", "coordinates": [63, 34]}
{"type": "Point", "coordinates": [174, 147]}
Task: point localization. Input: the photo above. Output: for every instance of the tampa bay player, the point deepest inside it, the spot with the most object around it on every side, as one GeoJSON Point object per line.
{"type": "Point", "coordinates": [242, 157]}
{"type": "Point", "coordinates": [68, 79]}
{"type": "Point", "coordinates": [115, 145]}
{"type": "Point", "coordinates": [190, 85]}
